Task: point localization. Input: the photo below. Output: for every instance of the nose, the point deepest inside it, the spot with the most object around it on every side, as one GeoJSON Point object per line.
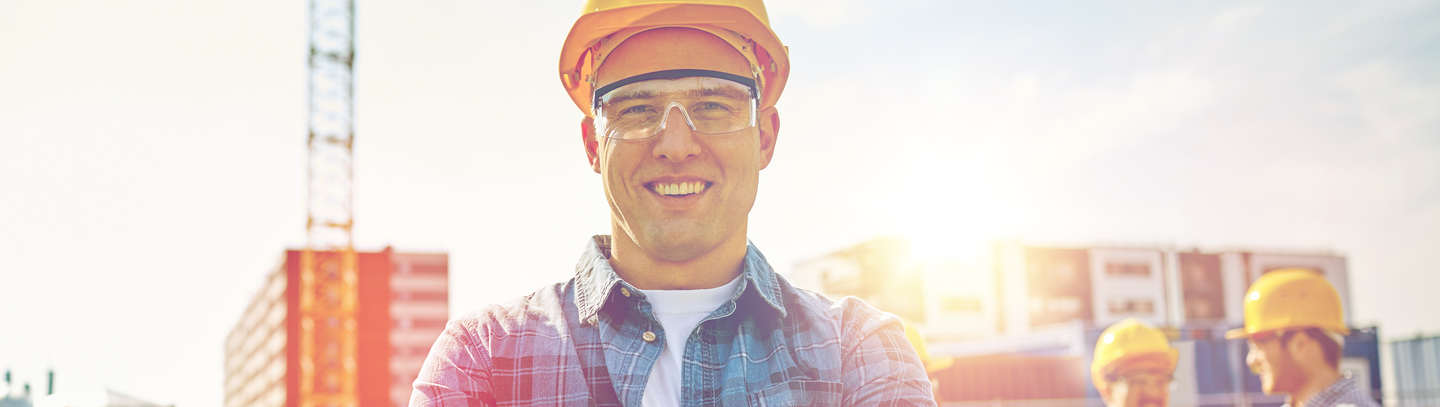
{"type": "Point", "coordinates": [1252, 359]}
{"type": "Point", "coordinates": [1155, 391]}
{"type": "Point", "coordinates": [676, 141]}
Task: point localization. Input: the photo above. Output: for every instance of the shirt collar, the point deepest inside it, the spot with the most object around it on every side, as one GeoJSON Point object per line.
{"type": "Point", "coordinates": [1328, 396]}
{"type": "Point", "coordinates": [595, 280]}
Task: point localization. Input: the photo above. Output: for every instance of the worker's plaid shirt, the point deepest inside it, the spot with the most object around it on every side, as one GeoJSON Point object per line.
{"type": "Point", "coordinates": [1343, 393]}
{"type": "Point", "coordinates": [581, 343]}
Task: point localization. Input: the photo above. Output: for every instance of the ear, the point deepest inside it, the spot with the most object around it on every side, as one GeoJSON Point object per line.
{"type": "Point", "coordinates": [769, 132]}
{"type": "Point", "coordinates": [1301, 345]}
{"type": "Point", "coordinates": [592, 143]}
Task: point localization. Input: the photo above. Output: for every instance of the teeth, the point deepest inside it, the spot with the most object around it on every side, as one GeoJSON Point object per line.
{"type": "Point", "coordinates": [683, 188]}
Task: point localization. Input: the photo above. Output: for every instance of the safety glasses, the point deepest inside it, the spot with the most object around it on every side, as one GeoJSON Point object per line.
{"type": "Point", "coordinates": [1145, 380]}
{"type": "Point", "coordinates": [711, 103]}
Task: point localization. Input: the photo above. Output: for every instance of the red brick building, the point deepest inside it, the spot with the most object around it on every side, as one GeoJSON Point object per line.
{"type": "Point", "coordinates": [403, 307]}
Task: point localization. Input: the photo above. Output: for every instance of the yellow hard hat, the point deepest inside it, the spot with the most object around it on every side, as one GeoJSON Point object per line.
{"type": "Point", "coordinates": [1129, 340]}
{"type": "Point", "coordinates": [604, 24]}
{"type": "Point", "coordinates": [1290, 299]}
{"type": "Point", "coordinates": [918, 341]}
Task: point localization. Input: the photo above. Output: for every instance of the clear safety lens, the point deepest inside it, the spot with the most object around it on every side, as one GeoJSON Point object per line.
{"type": "Point", "coordinates": [1146, 380]}
{"type": "Point", "coordinates": [708, 105]}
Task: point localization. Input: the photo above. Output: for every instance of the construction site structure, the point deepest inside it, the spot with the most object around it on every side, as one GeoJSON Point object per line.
{"type": "Point", "coordinates": [327, 286]}
{"type": "Point", "coordinates": [403, 306]}
{"type": "Point", "coordinates": [1021, 321]}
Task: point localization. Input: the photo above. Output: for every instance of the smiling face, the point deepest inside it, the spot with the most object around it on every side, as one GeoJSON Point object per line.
{"type": "Point", "coordinates": [1140, 389]}
{"type": "Point", "coordinates": [680, 194]}
{"type": "Point", "coordinates": [1143, 382]}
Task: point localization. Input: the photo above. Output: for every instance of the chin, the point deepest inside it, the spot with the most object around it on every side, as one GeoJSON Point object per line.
{"type": "Point", "coordinates": [675, 251]}
{"type": "Point", "coordinates": [677, 244]}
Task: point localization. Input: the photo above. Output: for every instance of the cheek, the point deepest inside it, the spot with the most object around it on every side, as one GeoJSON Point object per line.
{"type": "Point", "coordinates": [617, 162]}
{"type": "Point", "coordinates": [739, 154]}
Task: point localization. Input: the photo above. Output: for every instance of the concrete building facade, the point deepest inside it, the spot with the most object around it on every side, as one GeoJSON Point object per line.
{"type": "Point", "coordinates": [1023, 306]}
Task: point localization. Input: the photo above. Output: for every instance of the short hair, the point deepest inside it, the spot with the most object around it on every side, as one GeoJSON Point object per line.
{"type": "Point", "coordinates": [1328, 345]}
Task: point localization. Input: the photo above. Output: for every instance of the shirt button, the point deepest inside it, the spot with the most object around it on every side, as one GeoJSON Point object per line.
{"type": "Point", "coordinates": [624, 291]}
{"type": "Point", "coordinates": [648, 336]}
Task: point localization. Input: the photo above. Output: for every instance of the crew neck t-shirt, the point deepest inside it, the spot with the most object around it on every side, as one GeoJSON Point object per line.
{"type": "Point", "coordinates": [679, 312]}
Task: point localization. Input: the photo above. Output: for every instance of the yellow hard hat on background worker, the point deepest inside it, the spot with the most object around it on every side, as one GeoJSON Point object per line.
{"type": "Point", "coordinates": [932, 364]}
{"type": "Point", "coordinates": [1289, 299]}
{"type": "Point", "coordinates": [917, 340]}
{"type": "Point", "coordinates": [1130, 341]}
{"type": "Point", "coordinates": [604, 24]}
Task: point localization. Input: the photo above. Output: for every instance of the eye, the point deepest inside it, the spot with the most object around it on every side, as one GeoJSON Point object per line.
{"type": "Point", "coordinates": [637, 109]}
{"type": "Point", "coordinates": [711, 110]}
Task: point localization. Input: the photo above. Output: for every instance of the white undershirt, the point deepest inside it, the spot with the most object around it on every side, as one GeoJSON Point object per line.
{"type": "Point", "coordinates": [679, 312]}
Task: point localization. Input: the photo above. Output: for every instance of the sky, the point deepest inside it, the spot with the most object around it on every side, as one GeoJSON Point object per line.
{"type": "Point", "coordinates": [152, 152]}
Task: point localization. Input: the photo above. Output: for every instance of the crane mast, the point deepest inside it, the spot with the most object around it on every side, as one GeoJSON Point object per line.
{"type": "Point", "coordinates": [328, 296]}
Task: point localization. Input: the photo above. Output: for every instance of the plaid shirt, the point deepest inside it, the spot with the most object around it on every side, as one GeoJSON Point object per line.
{"type": "Point", "coordinates": [584, 343]}
{"type": "Point", "coordinates": [1343, 393]}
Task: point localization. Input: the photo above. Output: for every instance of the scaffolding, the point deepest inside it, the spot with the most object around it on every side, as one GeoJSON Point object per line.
{"type": "Point", "coordinates": [328, 296]}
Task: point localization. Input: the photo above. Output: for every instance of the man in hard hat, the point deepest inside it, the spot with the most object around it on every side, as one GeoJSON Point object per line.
{"type": "Point", "coordinates": [1296, 330]}
{"type": "Point", "coordinates": [1133, 365]}
{"type": "Point", "coordinates": [675, 307]}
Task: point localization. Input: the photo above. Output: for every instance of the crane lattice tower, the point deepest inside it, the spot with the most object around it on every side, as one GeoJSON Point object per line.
{"type": "Point", "coordinates": [328, 297]}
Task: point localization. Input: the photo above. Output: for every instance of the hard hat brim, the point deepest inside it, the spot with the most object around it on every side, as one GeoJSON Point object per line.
{"type": "Point", "coordinates": [1170, 358]}
{"type": "Point", "coordinates": [1241, 333]}
{"type": "Point", "coordinates": [715, 19]}
{"type": "Point", "coordinates": [1237, 334]}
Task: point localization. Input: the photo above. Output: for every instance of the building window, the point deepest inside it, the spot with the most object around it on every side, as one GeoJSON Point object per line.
{"type": "Point", "coordinates": [1127, 270]}
{"type": "Point", "coordinates": [1057, 307]}
{"type": "Point", "coordinates": [960, 304]}
{"type": "Point", "coordinates": [1198, 278]}
{"type": "Point", "coordinates": [1058, 272]}
{"type": "Point", "coordinates": [1132, 306]}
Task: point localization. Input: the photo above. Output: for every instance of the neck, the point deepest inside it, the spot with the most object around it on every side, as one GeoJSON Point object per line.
{"type": "Point", "coordinates": [647, 272]}
{"type": "Point", "coordinates": [1316, 382]}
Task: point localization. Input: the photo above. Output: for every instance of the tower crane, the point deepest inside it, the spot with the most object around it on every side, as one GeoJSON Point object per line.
{"type": "Point", "coordinates": [328, 296]}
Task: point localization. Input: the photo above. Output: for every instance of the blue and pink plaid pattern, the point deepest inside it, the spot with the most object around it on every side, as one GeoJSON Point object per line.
{"type": "Point", "coordinates": [582, 343]}
{"type": "Point", "coordinates": [1343, 393]}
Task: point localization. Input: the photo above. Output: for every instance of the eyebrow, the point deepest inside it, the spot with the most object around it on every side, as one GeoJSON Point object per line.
{"type": "Point", "coordinates": [697, 93]}
{"type": "Point", "coordinates": [725, 92]}
{"type": "Point", "coordinates": [644, 94]}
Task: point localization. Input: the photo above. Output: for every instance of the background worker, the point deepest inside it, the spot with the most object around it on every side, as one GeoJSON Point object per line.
{"type": "Point", "coordinates": [1296, 330]}
{"type": "Point", "coordinates": [1133, 365]}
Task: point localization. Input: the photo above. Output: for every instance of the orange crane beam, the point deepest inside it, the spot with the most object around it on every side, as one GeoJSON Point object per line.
{"type": "Point", "coordinates": [328, 294]}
